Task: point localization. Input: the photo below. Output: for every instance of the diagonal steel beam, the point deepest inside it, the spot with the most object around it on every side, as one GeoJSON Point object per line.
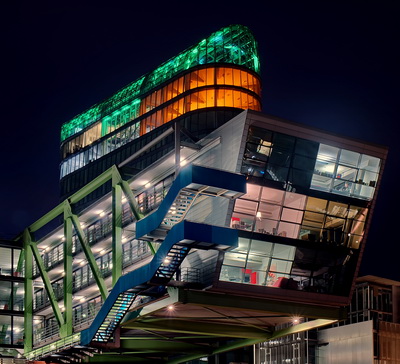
{"type": "Point", "coordinates": [89, 256]}
{"type": "Point", "coordinates": [47, 284]}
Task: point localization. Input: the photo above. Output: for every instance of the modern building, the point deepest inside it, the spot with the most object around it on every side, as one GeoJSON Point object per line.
{"type": "Point", "coordinates": [195, 225]}
{"type": "Point", "coordinates": [11, 300]}
{"type": "Point", "coordinates": [369, 335]}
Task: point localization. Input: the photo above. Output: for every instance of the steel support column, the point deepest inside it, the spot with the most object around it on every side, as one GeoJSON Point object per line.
{"type": "Point", "coordinates": [28, 297]}
{"type": "Point", "coordinates": [116, 232]}
{"type": "Point", "coordinates": [68, 326]}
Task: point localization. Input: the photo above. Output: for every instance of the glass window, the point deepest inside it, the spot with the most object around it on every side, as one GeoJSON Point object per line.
{"type": "Point", "coordinates": [261, 248]}
{"type": "Point", "coordinates": [282, 266]}
{"type": "Point", "coordinates": [327, 153]}
{"type": "Point", "coordinates": [346, 173]}
{"type": "Point", "coordinates": [235, 259]}
{"type": "Point", "coordinates": [292, 215]}
{"type": "Point", "coordinates": [349, 158]}
{"type": "Point", "coordinates": [243, 222]}
{"type": "Point", "coordinates": [5, 324]}
{"type": "Point", "coordinates": [18, 296]}
{"type": "Point", "coordinates": [5, 261]}
{"type": "Point", "coordinates": [295, 200]}
{"type": "Point", "coordinates": [269, 211]}
{"type": "Point", "coordinates": [266, 226]}
{"type": "Point", "coordinates": [283, 251]}
{"type": "Point", "coordinates": [252, 192]}
{"type": "Point", "coordinates": [18, 330]}
{"type": "Point", "coordinates": [337, 209]}
{"type": "Point", "coordinates": [316, 205]}
{"type": "Point", "coordinates": [272, 195]}
{"type": "Point", "coordinates": [246, 206]}
{"type": "Point", "coordinates": [288, 230]}
{"type": "Point", "coordinates": [369, 163]}
{"type": "Point", "coordinates": [5, 295]}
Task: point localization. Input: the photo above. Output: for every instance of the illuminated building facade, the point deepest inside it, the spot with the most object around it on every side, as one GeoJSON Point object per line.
{"type": "Point", "coordinates": [202, 87]}
{"type": "Point", "coordinates": [11, 299]}
{"type": "Point", "coordinates": [205, 237]}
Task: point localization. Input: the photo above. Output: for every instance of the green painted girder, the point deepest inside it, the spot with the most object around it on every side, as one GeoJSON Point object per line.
{"type": "Point", "coordinates": [287, 308]}
{"type": "Point", "coordinates": [175, 325]}
{"type": "Point", "coordinates": [47, 283]}
{"type": "Point", "coordinates": [122, 358]}
{"type": "Point", "coordinates": [98, 277]}
{"type": "Point", "coordinates": [152, 345]}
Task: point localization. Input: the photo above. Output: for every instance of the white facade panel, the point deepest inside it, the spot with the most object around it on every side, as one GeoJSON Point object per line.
{"type": "Point", "coordinates": [350, 344]}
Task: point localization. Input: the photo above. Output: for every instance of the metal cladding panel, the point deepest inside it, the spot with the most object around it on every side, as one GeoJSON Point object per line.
{"type": "Point", "coordinates": [346, 344]}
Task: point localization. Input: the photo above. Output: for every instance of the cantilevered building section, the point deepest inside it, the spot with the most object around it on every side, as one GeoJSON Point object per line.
{"type": "Point", "coordinates": [220, 235]}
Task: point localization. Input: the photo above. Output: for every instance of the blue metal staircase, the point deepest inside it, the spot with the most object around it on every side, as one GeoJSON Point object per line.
{"type": "Point", "coordinates": [181, 236]}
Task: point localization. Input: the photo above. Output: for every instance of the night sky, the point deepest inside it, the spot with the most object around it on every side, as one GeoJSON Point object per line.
{"type": "Point", "coordinates": [328, 64]}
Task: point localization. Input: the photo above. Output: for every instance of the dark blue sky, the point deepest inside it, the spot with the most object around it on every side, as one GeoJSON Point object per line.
{"type": "Point", "coordinates": [328, 64]}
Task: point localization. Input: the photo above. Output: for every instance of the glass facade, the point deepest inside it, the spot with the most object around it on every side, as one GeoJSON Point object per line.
{"type": "Point", "coordinates": [199, 89]}
{"type": "Point", "coordinates": [11, 295]}
{"type": "Point", "coordinates": [304, 164]}
{"type": "Point", "coordinates": [279, 212]}
{"type": "Point", "coordinates": [305, 212]}
{"type": "Point", "coordinates": [233, 45]}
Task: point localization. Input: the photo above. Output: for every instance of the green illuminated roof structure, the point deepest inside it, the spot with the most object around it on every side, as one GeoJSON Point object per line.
{"type": "Point", "coordinates": [234, 44]}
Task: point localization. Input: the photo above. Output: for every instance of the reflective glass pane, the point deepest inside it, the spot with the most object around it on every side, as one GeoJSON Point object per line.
{"type": "Point", "coordinates": [235, 259]}
{"type": "Point", "coordinates": [284, 251]}
{"type": "Point", "coordinates": [291, 215]}
{"type": "Point", "coordinates": [316, 204]}
{"type": "Point", "coordinates": [18, 330]}
{"type": "Point", "coordinates": [337, 209]}
{"type": "Point", "coordinates": [349, 158]}
{"type": "Point", "coordinates": [5, 261]}
{"type": "Point", "coordinates": [261, 248]}
{"type": "Point", "coordinates": [246, 206]}
{"type": "Point", "coordinates": [282, 266]}
{"type": "Point", "coordinates": [252, 192]}
{"type": "Point", "coordinates": [272, 195]}
{"type": "Point", "coordinates": [369, 163]}
{"type": "Point", "coordinates": [288, 230]}
{"type": "Point", "coordinates": [346, 173]}
{"type": "Point", "coordinates": [243, 222]}
{"type": "Point", "coordinates": [5, 324]}
{"type": "Point", "coordinates": [327, 153]}
{"type": "Point", "coordinates": [295, 200]}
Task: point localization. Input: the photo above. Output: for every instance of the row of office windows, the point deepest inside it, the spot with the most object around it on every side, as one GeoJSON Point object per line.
{"type": "Point", "coordinates": [224, 76]}
{"type": "Point", "coordinates": [11, 263]}
{"type": "Point", "coordinates": [307, 164]}
{"type": "Point", "coordinates": [264, 263]}
{"type": "Point", "coordinates": [197, 100]}
{"type": "Point", "coordinates": [278, 212]}
{"type": "Point", "coordinates": [199, 123]}
{"type": "Point", "coordinates": [133, 251]}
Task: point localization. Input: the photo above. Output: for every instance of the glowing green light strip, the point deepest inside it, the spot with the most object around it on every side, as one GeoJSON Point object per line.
{"type": "Point", "coordinates": [234, 44]}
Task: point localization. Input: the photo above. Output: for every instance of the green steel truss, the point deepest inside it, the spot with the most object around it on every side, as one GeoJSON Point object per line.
{"type": "Point", "coordinates": [71, 224]}
{"type": "Point", "coordinates": [234, 44]}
